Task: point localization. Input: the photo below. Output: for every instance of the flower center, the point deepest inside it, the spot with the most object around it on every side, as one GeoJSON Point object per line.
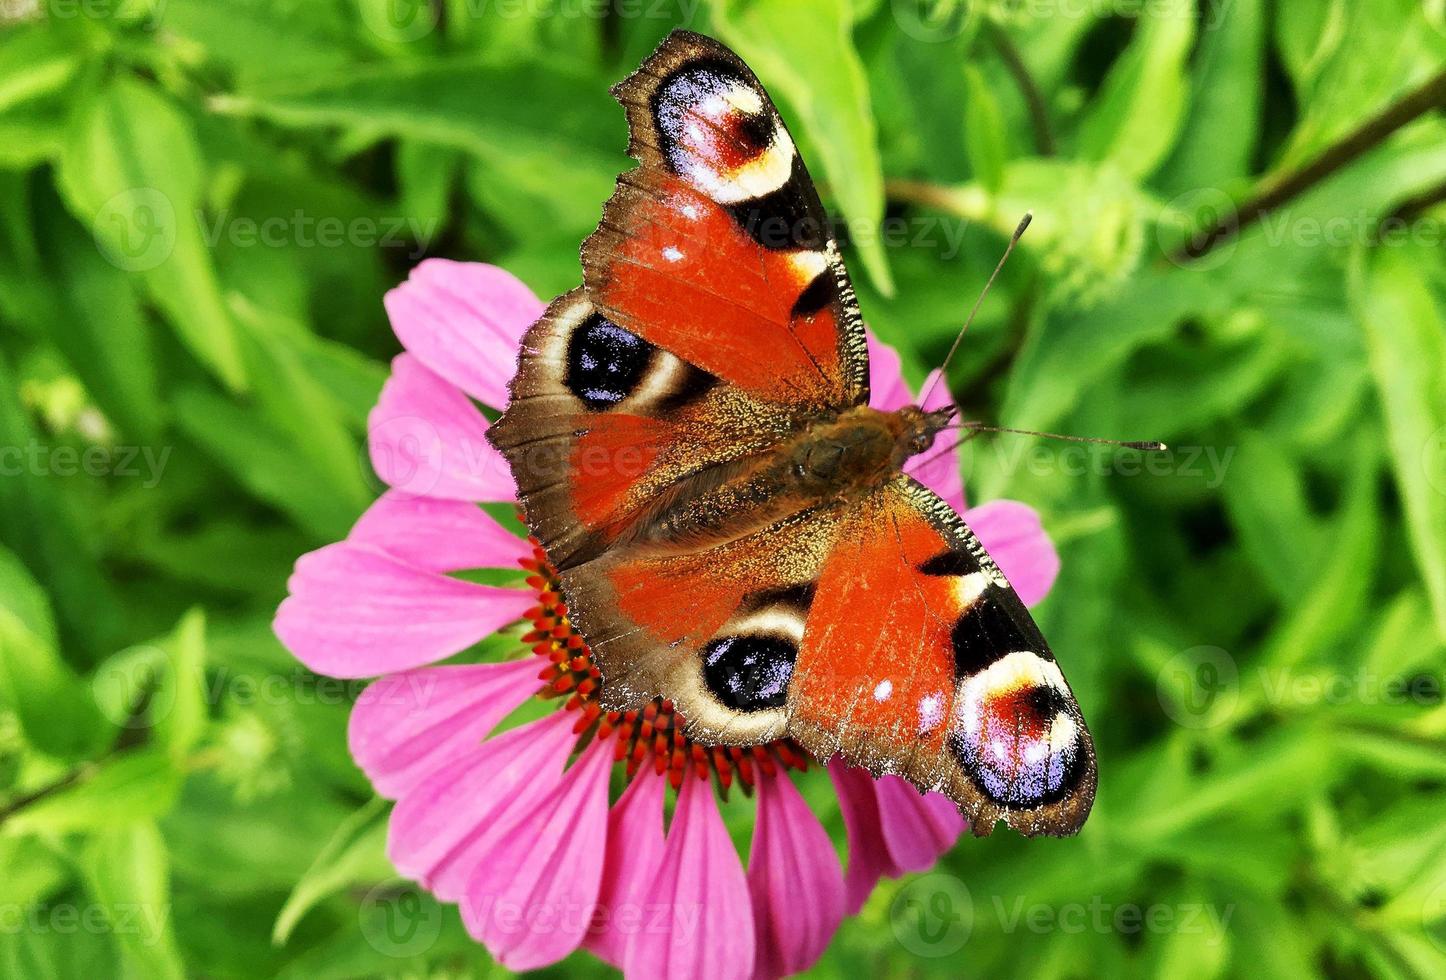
{"type": "Point", "coordinates": [652, 735]}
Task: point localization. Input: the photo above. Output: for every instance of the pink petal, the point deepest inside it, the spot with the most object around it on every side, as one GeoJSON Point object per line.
{"type": "Point", "coordinates": [707, 928]}
{"type": "Point", "coordinates": [868, 859]}
{"type": "Point", "coordinates": [356, 612]}
{"type": "Point", "coordinates": [917, 827]}
{"type": "Point", "coordinates": [406, 726]}
{"type": "Point", "coordinates": [439, 830]}
{"type": "Point", "coordinates": [532, 893]}
{"type": "Point", "coordinates": [634, 851]}
{"type": "Point", "coordinates": [427, 439]}
{"type": "Point", "coordinates": [464, 320]}
{"type": "Point", "coordinates": [887, 389]}
{"type": "Point", "coordinates": [1011, 532]}
{"type": "Point", "coordinates": [438, 535]}
{"type": "Point", "coordinates": [795, 880]}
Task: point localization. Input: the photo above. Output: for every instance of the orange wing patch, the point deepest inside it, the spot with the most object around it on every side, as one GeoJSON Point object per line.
{"type": "Point", "coordinates": [677, 269]}
{"type": "Point", "coordinates": [876, 670]}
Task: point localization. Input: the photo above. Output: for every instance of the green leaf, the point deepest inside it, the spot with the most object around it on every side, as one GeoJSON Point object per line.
{"type": "Point", "coordinates": [556, 128]}
{"type": "Point", "coordinates": [128, 873]}
{"type": "Point", "coordinates": [132, 172]}
{"type": "Point", "coordinates": [984, 133]}
{"type": "Point", "coordinates": [37, 63]}
{"type": "Point", "coordinates": [1221, 130]}
{"type": "Point", "coordinates": [183, 686]}
{"type": "Point", "coordinates": [1135, 120]}
{"type": "Point", "coordinates": [100, 327]}
{"type": "Point", "coordinates": [1406, 335]}
{"type": "Point", "coordinates": [56, 713]}
{"type": "Point", "coordinates": [355, 854]}
{"type": "Point", "coordinates": [804, 52]}
{"type": "Point", "coordinates": [1267, 502]}
{"type": "Point", "coordinates": [135, 786]}
{"type": "Point", "coordinates": [265, 461]}
{"type": "Point", "coordinates": [38, 523]}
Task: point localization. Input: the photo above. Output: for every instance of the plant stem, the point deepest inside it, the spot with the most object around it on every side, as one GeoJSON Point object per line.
{"type": "Point", "coordinates": [1275, 193]}
{"type": "Point", "coordinates": [78, 774]}
{"type": "Point", "coordinates": [1033, 98]}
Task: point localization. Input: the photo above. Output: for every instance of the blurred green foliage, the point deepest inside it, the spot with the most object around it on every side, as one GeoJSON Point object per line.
{"type": "Point", "coordinates": [203, 201]}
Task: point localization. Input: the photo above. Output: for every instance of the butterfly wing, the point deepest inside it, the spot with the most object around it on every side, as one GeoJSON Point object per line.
{"type": "Point", "coordinates": [715, 321]}
{"type": "Point", "coordinates": [716, 247]}
{"type": "Point", "coordinates": [716, 316]}
{"type": "Point", "coordinates": [920, 659]}
{"type": "Point", "coordinates": [879, 629]}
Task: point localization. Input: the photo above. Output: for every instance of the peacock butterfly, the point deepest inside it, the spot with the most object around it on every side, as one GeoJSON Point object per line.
{"type": "Point", "coordinates": [692, 443]}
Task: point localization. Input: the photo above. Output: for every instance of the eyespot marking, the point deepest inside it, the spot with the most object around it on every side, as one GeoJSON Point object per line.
{"type": "Point", "coordinates": [605, 363]}
{"type": "Point", "coordinates": [750, 672]}
{"type": "Point", "coordinates": [1015, 731]}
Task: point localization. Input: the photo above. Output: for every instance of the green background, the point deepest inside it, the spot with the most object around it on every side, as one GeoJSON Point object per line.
{"type": "Point", "coordinates": [202, 203]}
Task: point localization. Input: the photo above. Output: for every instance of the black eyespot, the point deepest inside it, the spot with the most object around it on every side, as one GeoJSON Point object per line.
{"type": "Point", "coordinates": [749, 673]}
{"type": "Point", "coordinates": [605, 362]}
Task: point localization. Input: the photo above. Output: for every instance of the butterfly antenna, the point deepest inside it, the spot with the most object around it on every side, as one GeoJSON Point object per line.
{"type": "Point", "coordinates": [944, 368]}
{"type": "Point", "coordinates": [1145, 447]}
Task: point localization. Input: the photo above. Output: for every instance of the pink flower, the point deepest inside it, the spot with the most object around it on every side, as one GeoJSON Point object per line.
{"type": "Point", "coordinates": [519, 828]}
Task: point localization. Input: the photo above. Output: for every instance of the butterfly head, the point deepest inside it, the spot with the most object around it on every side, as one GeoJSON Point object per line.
{"type": "Point", "coordinates": [919, 428]}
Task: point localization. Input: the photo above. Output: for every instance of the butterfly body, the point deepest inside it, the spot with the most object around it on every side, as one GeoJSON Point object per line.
{"type": "Point", "coordinates": [692, 441]}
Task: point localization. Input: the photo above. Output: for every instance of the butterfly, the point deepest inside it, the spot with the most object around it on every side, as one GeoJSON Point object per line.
{"type": "Point", "coordinates": [692, 444]}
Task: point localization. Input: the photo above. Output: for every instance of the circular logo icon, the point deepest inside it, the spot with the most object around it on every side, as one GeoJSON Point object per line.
{"type": "Point", "coordinates": [406, 454]}
{"type": "Point", "coordinates": [399, 920]}
{"type": "Point", "coordinates": [932, 915]}
{"type": "Point", "coordinates": [932, 21]}
{"type": "Point", "coordinates": [1199, 687]}
{"type": "Point", "coordinates": [1192, 219]}
{"type": "Point", "coordinates": [399, 21]}
{"type": "Point", "coordinates": [136, 229]}
{"type": "Point", "coordinates": [129, 691]}
{"type": "Point", "coordinates": [1433, 459]}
